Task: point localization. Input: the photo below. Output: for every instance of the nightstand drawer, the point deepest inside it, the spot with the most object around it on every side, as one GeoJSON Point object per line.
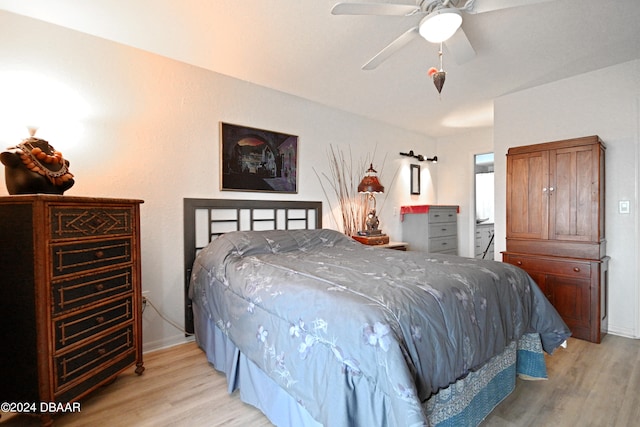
{"type": "Point", "coordinates": [87, 289]}
{"type": "Point", "coordinates": [74, 222]}
{"type": "Point", "coordinates": [93, 356]}
{"type": "Point", "coordinates": [75, 257]}
{"type": "Point", "coordinates": [85, 324]}
{"type": "Point", "coordinates": [443, 229]}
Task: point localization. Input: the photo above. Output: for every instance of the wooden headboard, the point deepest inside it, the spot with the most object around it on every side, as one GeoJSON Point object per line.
{"type": "Point", "coordinates": [206, 219]}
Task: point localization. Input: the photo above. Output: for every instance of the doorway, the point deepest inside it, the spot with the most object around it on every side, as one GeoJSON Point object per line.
{"type": "Point", "coordinates": [484, 205]}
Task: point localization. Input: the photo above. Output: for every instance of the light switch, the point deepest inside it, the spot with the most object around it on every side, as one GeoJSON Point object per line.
{"type": "Point", "coordinates": [623, 207]}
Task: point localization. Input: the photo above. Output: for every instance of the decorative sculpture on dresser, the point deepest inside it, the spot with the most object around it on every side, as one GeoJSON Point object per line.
{"type": "Point", "coordinates": [36, 167]}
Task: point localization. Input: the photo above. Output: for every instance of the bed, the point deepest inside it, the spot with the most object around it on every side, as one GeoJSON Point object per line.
{"type": "Point", "coordinates": [314, 328]}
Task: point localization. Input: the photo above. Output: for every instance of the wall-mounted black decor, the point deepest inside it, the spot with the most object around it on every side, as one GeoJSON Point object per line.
{"type": "Point", "coordinates": [415, 179]}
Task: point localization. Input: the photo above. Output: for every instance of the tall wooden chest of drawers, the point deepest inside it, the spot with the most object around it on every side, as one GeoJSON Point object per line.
{"type": "Point", "coordinates": [431, 228]}
{"type": "Point", "coordinates": [70, 295]}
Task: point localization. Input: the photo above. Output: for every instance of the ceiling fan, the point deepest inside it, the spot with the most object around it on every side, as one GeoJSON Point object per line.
{"type": "Point", "coordinates": [440, 23]}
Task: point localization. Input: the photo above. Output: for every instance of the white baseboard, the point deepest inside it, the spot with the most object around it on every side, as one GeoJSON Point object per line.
{"type": "Point", "coordinates": [148, 347]}
{"type": "Point", "coordinates": [622, 332]}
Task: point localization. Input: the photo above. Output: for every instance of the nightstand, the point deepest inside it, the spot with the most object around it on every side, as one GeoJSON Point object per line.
{"type": "Point", "coordinates": [399, 246]}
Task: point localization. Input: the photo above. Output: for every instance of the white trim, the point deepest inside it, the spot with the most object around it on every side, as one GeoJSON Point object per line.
{"type": "Point", "coordinates": [161, 344]}
{"type": "Point", "coordinates": [636, 332]}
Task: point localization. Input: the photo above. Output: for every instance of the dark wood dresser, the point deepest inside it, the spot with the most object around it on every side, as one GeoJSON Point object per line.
{"type": "Point", "coordinates": [555, 227]}
{"type": "Point", "coordinates": [70, 296]}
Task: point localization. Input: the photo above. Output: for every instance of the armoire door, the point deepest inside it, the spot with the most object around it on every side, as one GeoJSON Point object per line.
{"type": "Point", "coordinates": [528, 195]}
{"type": "Point", "coordinates": [574, 193]}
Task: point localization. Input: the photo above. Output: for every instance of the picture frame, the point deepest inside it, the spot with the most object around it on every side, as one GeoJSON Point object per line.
{"type": "Point", "coordinates": [415, 179]}
{"type": "Point", "coordinates": [255, 159]}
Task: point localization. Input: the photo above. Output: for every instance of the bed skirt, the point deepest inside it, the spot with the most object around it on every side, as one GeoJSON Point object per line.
{"type": "Point", "coordinates": [465, 403]}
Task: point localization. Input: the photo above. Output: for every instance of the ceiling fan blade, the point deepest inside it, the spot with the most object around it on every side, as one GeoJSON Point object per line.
{"type": "Point", "coordinates": [481, 6]}
{"type": "Point", "coordinates": [373, 9]}
{"type": "Point", "coordinates": [391, 48]}
{"type": "Point", "coordinates": [460, 47]}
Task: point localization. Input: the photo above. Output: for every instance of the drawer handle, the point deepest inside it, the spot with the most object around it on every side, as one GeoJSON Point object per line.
{"type": "Point", "coordinates": [519, 262]}
{"type": "Point", "coordinates": [444, 243]}
{"type": "Point", "coordinates": [99, 287]}
{"type": "Point", "coordinates": [102, 351]}
{"type": "Point", "coordinates": [99, 254]}
{"type": "Point", "coordinates": [100, 319]}
{"type": "Point", "coordinates": [576, 269]}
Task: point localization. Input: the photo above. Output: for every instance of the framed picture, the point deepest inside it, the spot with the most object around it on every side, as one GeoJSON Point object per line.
{"type": "Point", "coordinates": [258, 160]}
{"type": "Point", "coordinates": [415, 179]}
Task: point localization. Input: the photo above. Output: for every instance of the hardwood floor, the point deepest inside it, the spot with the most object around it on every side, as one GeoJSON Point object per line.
{"type": "Point", "coordinates": [589, 385]}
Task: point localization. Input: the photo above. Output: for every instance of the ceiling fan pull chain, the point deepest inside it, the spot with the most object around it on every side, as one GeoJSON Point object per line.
{"type": "Point", "coordinates": [439, 76]}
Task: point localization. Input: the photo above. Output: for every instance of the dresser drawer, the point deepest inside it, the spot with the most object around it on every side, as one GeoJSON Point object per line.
{"type": "Point", "coordinates": [443, 229]}
{"type": "Point", "coordinates": [437, 214]}
{"type": "Point", "coordinates": [443, 244]}
{"type": "Point", "coordinates": [90, 288]}
{"type": "Point", "coordinates": [87, 323]}
{"type": "Point", "coordinates": [79, 221]}
{"type": "Point", "coordinates": [93, 357]}
{"type": "Point", "coordinates": [75, 257]}
{"type": "Point", "coordinates": [561, 268]}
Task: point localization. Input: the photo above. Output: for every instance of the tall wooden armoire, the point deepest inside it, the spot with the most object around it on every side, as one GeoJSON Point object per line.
{"type": "Point", "coordinates": [555, 227]}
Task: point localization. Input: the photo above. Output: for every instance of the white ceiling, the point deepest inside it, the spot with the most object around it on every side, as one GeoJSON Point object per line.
{"type": "Point", "coordinates": [298, 47]}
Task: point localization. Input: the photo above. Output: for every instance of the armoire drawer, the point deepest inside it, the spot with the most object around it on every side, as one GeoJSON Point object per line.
{"type": "Point", "coordinates": [87, 323]}
{"type": "Point", "coordinates": [90, 288]}
{"type": "Point", "coordinates": [87, 221]}
{"type": "Point", "coordinates": [86, 255]}
{"type": "Point", "coordinates": [565, 267]}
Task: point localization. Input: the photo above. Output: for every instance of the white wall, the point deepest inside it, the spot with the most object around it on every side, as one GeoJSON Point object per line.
{"type": "Point", "coordinates": [456, 179]}
{"type": "Point", "coordinates": [604, 103]}
{"type": "Point", "coordinates": [137, 125]}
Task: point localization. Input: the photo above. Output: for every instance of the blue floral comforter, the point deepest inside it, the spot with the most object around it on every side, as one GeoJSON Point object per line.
{"type": "Point", "coordinates": [360, 334]}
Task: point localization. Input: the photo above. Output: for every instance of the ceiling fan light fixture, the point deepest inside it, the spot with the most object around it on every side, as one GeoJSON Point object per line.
{"type": "Point", "coordinates": [440, 25]}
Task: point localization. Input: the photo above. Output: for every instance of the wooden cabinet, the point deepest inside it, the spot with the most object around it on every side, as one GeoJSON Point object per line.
{"type": "Point", "coordinates": [577, 288]}
{"type": "Point", "coordinates": [431, 228]}
{"type": "Point", "coordinates": [555, 198]}
{"type": "Point", "coordinates": [555, 227]}
{"type": "Point", "coordinates": [484, 244]}
{"type": "Point", "coordinates": [70, 295]}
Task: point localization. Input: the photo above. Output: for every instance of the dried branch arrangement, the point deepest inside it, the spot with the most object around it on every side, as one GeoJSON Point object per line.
{"type": "Point", "coordinates": [342, 182]}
